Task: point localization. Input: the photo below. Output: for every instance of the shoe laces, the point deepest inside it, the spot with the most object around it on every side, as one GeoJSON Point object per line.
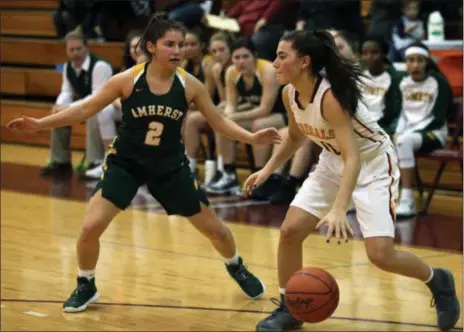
{"type": "Point", "coordinates": [241, 274]}
{"type": "Point", "coordinates": [280, 306]}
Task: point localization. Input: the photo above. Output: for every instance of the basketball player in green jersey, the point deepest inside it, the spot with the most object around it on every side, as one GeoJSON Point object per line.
{"type": "Point", "coordinates": [148, 150]}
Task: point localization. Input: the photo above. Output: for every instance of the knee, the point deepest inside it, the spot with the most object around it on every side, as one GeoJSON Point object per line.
{"type": "Point", "coordinates": [258, 125]}
{"type": "Point", "coordinates": [194, 120]}
{"type": "Point", "coordinates": [290, 235]}
{"type": "Point", "coordinates": [381, 256]}
{"type": "Point", "coordinates": [219, 234]}
{"type": "Point", "coordinates": [90, 230]}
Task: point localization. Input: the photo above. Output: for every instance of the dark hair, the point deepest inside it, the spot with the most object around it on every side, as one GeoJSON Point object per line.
{"type": "Point", "coordinates": [431, 65]}
{"type": "Point", "coordinates": [245, 43]}
{"type": "Point", "coordinates": [157, 28]}
{"type": "Point", "coordinates": [381, 43]}
{"type": "Point", "coordinates": [343, 74]}
{"type": "Point", "coordinates": [127, 60]}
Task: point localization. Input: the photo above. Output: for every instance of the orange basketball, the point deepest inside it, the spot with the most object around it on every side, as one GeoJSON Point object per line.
{"type": "Point", "coordinates": [311, 295]}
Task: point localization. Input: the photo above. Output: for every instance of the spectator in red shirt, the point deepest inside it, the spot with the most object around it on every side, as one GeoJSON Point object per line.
{"type": "Point", "coordinates": [263, 21]}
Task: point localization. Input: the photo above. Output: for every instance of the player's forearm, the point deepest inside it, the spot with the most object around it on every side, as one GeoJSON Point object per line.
{"type": "Point", "coordinates": [285, 151]}
{"type": "Point", "coordinates": [352, 166]}
{"type": "Point", "coordinates": [67, 117]}
{"type": "Point", "coordinates": [233, 131]}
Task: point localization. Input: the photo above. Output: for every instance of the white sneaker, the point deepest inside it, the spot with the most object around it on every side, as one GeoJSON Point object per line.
{"type": "Point", "coordinates": [94, 173]}
{"type": "Point", "coordinates": [406, 208]}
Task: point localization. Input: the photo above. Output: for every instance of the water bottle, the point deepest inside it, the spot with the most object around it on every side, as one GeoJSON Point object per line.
{"type": "Point", "coordinates": [436, 27]}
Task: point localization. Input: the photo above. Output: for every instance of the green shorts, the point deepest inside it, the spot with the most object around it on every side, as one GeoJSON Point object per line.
{"type": "Point", "coordinates": [430, 142]}
{"type": "Point", "coordinates": [177, 190]}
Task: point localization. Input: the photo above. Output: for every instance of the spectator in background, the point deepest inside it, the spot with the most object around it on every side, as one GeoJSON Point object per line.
{"type": "Point", "coordinates": [83, 75]}
{"type": "Point", "coordinates": [384, 13]}
{"type": "Point", "coordinates": [408, 30]}
{"type": "Point", "coordinates": [263, 21]}
{"type": "Point", "coordinates": [381, 93]}
{"type": "Point", "coordinates": [82, 16]}
{"type": "Point", "coordinates": [190, 13]}
{"type": "Point", "coordinates": [131, 52]}
{"type": "Point", "coordinates": [422, 126]}
{"type": "Point", "coordinates": [339, 15]}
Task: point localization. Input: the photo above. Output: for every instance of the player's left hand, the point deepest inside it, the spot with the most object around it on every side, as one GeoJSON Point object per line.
{"type": "Point", "coordinates": [267, 136]}
{"type": "Point", "coordinates": [24, 124]}
{"type": "Point", "coordinates": [337, 221]}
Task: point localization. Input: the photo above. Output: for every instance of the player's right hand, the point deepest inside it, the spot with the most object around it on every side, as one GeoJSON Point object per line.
{"type": "Point", "coordinates": [24, 124]}
{"type": "Point", "coordinates": [254, 180]}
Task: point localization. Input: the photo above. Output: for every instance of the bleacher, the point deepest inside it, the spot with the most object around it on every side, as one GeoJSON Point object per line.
{"type": "Point", "coordinates": [30, 80]}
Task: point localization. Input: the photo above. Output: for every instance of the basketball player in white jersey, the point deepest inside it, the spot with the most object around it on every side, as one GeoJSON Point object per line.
{"type": "Point", "coordinates": [358, 163]}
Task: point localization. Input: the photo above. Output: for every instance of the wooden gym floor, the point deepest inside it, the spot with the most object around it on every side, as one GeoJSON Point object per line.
{"type": "Point", "coordinates": [156, 273]}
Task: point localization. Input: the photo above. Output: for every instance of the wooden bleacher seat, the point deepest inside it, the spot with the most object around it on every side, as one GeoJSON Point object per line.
{"type": "Point", "coordinates": [27, 23]}
{"type": "Point", "coordinates": [30, 81]}
{"type": "Point", "coordinates": [28, 4]}
{"type": "Point", "coordinates": [12, 109]}
{"type": "Point", "coordinates": [34, 51]}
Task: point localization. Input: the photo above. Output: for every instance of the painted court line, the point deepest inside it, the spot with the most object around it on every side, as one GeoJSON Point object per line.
{"type": "Point", "coordinates": [34, 313]}
{"type": "Point", "coordinates": [140, 305]}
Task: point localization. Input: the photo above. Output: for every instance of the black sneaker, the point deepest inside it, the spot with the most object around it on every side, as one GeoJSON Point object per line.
{"type": "Point", "coordinates": [248, 282]}
{"type": "Point", "coordinates": [280, 320]}
{"type": "Point", "coordinates": [85, 293]}
{"type": "Point", "coordinates": [285, 195]}
{"type": "Point", "coordinates": [444, 299]}
{"type": "Point", "coordinates": [57, 169]}
{"type": "Point", "coordinates": [265, 190]}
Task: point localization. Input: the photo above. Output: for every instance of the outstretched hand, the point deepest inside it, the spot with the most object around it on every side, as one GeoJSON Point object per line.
{"type": "Point", "coordinates": [266, 136]}
{"type": "Point", "coordinates": [254, 180]}
{"type": "Point", "coordinates": [337, 221]}
{"type": "Point", "coordinates": [24, 124]}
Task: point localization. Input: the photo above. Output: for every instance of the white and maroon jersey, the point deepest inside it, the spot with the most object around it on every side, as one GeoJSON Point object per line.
{"type": "Point", "coordinates": [371, 139]}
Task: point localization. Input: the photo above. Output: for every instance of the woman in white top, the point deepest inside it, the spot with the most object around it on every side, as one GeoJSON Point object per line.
{"type": "Point", "coordinates": [422, 127]}
{"type": "Point", "coordinates": [358, 162]}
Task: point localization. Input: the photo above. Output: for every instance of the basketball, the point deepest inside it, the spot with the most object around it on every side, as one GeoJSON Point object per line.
{"type": "Point", "coordinates": [311, 295]}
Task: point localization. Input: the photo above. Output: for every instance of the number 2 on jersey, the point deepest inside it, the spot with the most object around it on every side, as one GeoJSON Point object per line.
{"type": "Point", "coordinates": [155, 130]}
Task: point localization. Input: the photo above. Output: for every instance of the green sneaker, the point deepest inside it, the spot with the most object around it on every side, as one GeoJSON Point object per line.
{"type": "Point", "coordinates": [248, 282]}
{"type": "Point", "coordinates": [83, 295]}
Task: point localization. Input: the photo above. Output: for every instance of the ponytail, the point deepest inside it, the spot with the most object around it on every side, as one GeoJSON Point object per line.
{"type": "Point", "coordinates": [343, 74]}
{"type": "Point", "coordinates": [157, 27]}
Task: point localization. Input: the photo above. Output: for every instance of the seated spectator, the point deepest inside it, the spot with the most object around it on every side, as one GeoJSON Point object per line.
{"type": "Point", "coordinates": [220, 48]}
{"type": "Point", "coordinates": [323, 14]}
{"type": "Point", "coordinates": [381, 92]}
{"type": "Point", "coordinates": [83, 75]}
{"type": "Point", "coordinates": [263, 21]}
{"type": "Point", "coordinates": [195, 62]}
{"type": "Point", "coordinates": [190, 13]}
{"type": "Point", "coordinates": [408, 30]}
{"type": "Point", "coordinates": [422, 127]}
{"type": "Point", "coordinates": [254, 101]}
{"type": "Point", "coordinates": [83, 17]}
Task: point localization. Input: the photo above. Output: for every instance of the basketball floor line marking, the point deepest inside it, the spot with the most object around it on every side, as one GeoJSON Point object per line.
{"type": "Point", "coordinates": [341, 266]}
{"type": "Point", "coordinates": [140, 305]}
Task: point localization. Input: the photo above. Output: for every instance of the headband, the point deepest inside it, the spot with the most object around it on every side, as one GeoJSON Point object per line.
{"type": "Point", "coordinates": [417, 50]}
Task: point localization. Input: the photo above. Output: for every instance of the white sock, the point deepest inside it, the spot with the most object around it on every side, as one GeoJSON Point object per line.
{"type": "Point", "coordinates": [406, 193]}
{"type": "Point", "coordinates": [233, 260]}
{"type": "Point", "coordinates": [431, 276]}
{"type": "Point", "coordinates": [281, 291]}
{"type": "Point", "coordinates": [89, 274]}
{"type": "Point", "coordinates": [193, 164]}
{"type": "Point", "coordinates": [220, 164]}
